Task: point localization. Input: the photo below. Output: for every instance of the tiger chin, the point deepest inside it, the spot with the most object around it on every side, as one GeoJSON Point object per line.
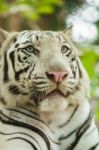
{"type": "Point", "coordinates": [41, 71]}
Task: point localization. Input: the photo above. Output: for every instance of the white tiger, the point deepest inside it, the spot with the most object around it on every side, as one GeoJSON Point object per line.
{"type": "Point", "coordinates": [44, 94]}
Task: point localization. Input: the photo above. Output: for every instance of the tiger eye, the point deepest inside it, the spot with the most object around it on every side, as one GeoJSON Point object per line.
{"type": "Point", "coordinates": [64, 49]}
{"type": "Point", "coordinates": [33, 50]}
{"type": "Point", "coordinates": [29, 49]}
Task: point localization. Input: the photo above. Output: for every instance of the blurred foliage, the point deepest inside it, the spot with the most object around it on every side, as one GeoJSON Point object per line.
{"type": "Point", "coordinates": [30, 8]}
{"type": "Point", "coordinates": [34, 8]}
{"type": "Point", "coordinates": [90, 60]}
{"type": "Point", "coordinates": [56, 10]}
{"type": "Point", "coordinates": [38, 6]}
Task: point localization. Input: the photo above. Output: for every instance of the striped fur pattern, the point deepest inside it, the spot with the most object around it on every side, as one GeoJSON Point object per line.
{"type": "Point", "coordinates": [36, 112]}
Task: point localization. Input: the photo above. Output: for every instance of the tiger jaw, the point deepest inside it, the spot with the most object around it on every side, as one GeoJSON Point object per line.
{"type": "Point", "coordinates": [54, 101]}
{"type": "Point", "coordinates": [57, 99]}
{"type": "Point", "coordinates": [57, 92]}
{"type": "Point", "coordinates": [51, 96]}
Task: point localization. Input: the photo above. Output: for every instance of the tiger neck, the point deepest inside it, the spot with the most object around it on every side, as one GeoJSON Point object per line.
{"type": "Point", "coordinates": [54, 119]}
{"type": "Point", "coordinates": [57, 119]}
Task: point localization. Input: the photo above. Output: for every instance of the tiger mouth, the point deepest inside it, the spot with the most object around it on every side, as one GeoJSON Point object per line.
{"type": "Point", "coordinates": [53, 94]}
{"type": "Point", "coordinates": [56, 94]}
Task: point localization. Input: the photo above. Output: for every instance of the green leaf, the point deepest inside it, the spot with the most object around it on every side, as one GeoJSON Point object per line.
{"type": "Point", "coordinates": [97, 111]}
{"type": "Point", "coordinates": [45, 10]}
{"type": "Point", "coordinates": [31, 15]}
{"type": "Point", "coordinates": [89, 59]}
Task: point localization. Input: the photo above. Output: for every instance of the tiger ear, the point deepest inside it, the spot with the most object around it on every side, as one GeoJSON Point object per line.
{"type": "Point", "coordinates": [3, 35]}
{"type": "Point", "coordinates": [68, 31]}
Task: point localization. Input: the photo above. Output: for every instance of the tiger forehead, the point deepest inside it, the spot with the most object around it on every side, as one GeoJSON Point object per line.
{"type": "Point", "coordinates": [40, 36]}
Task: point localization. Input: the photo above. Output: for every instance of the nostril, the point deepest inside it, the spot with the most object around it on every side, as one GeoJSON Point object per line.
{"type": "Point", "coordinates": [57, 76]}
{"type": "Point", "coordinates": [65, 75]}
{"type": "Point", "coordinates": [50, 75]}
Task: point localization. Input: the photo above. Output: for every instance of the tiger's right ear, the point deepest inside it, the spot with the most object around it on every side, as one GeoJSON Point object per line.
{"type": "Point", "coordinates": [68, 31]}
{"type": "Point", "coordinates": [3, 35]}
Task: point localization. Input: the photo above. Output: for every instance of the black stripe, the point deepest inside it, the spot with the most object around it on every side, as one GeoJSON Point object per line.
{"type": "Point", "coordinates": [77, 129]}
{"type": "Point", "coordinates": [17, 74]}
{"type": "Point", "coordinates": [3, 100]}
{"type": "Point", "coordinates": [38, 96]}
{"type": "Point", "coordinates": [21, 133]}
{"type": "Point", "coordinates": [26, 42]}
{"type": "Point", "coordinates": [73, 70]}
{"type": "Point", "coordinates": [94, 147]}
{"type": "Point", "coordinates": [23, 60]}
{"type": "Point", "coordinates": [85, 125]}
{"type": "Point", "coordinates": [74, 73]}
{"type": "Point", "coordinates": [25, 32]}
{"type": "Point", "coordinates": [5, 69]}
{"type": "Point", "coordinates": [16, 45]}
{"type": "Point", "coordinates": [20, 138]}
{"type": "Point", "coordinates": [38, 77]}
{"type": "Point", "coordinates": [14, 122]}
{"type": "Point", "coordinates": [25, 52]}
{"type": "Point", "coordinates": [29, 111]}
{"type": "Point", "coordinates": [91, 131]}
{"type": "Point", "coordinates": [61, 126]}
{"type": "Point", "coordinates": [67, 136]}
{"type": "Point", "coordinates": [16, 91]}
{"type": "Point", "coordinates": [19, 59]}
{"type": "Point", "coordinates": [80, 72]}
{"type": "Point", "coordinates": [31, 116]}
{"type": "Point", "coordinates": [73, 58]}
{"type": "Point", "coordinates": [31, 71]}
{"type": "Point", "coordinates": [12, 60]}
{"type": "Point", "coordinates": [40, 82]}
{"type": "Point", "coordinates": [81, 131]}
{"type": "Point", "coordinates": [30, 35]}
{"type": "Point", "coordinates": [37, 37]}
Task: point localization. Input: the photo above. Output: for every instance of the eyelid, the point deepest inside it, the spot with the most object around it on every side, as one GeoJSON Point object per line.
{"type": "Point", "coordinates": [67, 45]}
{"type": "Point", "coordinates": [22, 46]}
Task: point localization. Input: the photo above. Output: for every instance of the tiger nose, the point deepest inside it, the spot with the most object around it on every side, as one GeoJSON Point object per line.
{"type": "Point", "coordinates": [57, 76]}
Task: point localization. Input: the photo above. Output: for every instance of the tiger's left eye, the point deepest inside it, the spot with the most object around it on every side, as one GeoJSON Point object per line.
{"type": "Point", "coordinates": [33, 50]}
{"type": "Point", "coordinates": [64, 49]}
{"type": "Point", "coordinates": [29, 49]}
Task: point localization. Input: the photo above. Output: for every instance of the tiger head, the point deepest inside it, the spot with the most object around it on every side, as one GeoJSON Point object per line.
{"type": "Point", "coordinates": [41, 69]}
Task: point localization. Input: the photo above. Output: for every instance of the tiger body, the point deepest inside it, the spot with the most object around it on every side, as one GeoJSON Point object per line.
{"type": "Point", "coordinates": [44, 94]}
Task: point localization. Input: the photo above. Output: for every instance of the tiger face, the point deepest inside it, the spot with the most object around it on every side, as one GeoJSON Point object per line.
{"type": "Point", "coordinates": [41, 69]}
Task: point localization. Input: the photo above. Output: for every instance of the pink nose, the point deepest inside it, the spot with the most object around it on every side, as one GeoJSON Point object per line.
{"type": "Point", "coordinates": [57, 76]}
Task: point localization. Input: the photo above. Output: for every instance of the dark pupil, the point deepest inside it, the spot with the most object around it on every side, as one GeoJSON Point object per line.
{"type": "Point", "coordinates": [64, 49]}
{"type": "Point", "coordinates": [33, 50]}
{"type": "Point", "coordinates": [30, 48]}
